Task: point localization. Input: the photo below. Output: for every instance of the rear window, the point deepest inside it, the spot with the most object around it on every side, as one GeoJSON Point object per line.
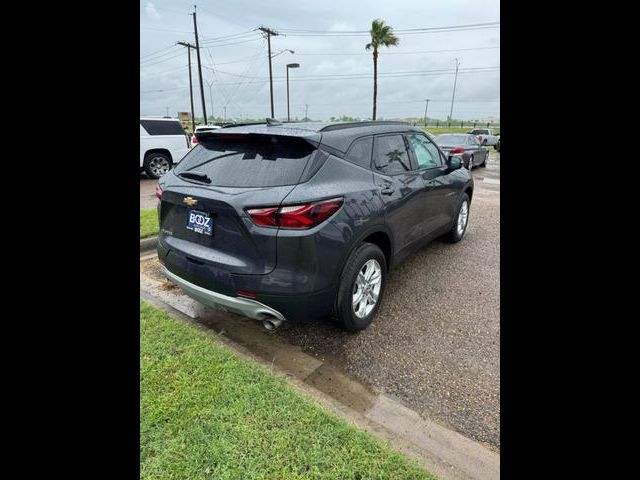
{"type": "Point", "coordinates": [162, 127]}
{"type": "Point", "coordinates": [250, 161]}
{"type": "Point", "coordinates": [451, 139]}
{"type": "Point", "coordinates": [480, 132]}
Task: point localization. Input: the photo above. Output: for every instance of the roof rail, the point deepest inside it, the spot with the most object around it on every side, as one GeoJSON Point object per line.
{"type": "Point", "coordinates": [369, 123]}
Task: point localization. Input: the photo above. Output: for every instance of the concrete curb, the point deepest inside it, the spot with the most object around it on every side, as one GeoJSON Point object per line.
{"type": "Point", "coordinates": [148, 243]}
{"type": "Point", "coordinates": [443, 452]}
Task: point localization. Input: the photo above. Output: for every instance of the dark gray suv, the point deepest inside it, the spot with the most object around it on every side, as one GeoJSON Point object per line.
{"type": "Point", "coordinates": [296, 221]}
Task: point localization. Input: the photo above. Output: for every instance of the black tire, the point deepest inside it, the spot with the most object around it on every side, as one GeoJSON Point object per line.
{"type": "Point", "coordinates": [454, 235]}
{"type": "Point", "coordinates": [471, 162]}
{"type": "Point", "coordinates": [154, 163]}
{"type": "Point", "coordinates": [345, 315]}
{"type": "Point", "coordinates": [484, 162]}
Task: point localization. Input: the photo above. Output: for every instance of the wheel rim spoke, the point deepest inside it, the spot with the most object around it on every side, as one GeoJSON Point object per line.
{"type": "Point", "coordinates": [366, 288]}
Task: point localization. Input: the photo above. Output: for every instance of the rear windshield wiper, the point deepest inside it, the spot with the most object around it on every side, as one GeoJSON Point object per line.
{"type": "Point", "coordinates": [195, 175]}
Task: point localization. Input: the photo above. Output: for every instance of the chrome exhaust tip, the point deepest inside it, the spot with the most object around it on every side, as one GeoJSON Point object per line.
{"type": "Point", "coordinates": [271, 323]}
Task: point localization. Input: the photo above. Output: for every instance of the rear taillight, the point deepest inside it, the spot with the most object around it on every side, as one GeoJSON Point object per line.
{"type": "Point", "coordinates": [480, 137]}
{"type": "Point", "coordinates": [195, 139]}
{"type": "Point", "coordinates": [457, 150]}
{"type": "Point", "coordinates": [295, 217]}
{"type": "Point", "coordinates": [158, 192]}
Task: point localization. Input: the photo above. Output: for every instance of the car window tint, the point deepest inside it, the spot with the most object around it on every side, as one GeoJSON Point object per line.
{"type": "Point", "coordinates": [247, 161]}
{"type": "Point", "coordinates": [360, 152]}
{"type": "Point", "coordinates": [450, 139]}
{"type": "Point", "coordinates": [162, 127]}
{"type": "Point", "coordinates": [427, 154]}
{"type": "Point", "coordinates": [390, 154]}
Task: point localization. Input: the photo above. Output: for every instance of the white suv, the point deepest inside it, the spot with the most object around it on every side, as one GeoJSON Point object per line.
{"type": "Point", "coordinates": [163, 143]}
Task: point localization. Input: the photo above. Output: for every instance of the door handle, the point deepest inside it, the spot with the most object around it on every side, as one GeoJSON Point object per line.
{"type": "Point", "coordinates": [388, 190]}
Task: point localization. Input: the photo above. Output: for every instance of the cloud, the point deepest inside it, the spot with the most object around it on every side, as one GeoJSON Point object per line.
{"type": "Point", "coordinates": [151, 11]}
{"type": "Point", "coordinates": [335, 74]}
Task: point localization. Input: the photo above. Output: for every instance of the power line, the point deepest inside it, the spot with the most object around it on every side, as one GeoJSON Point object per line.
{"type": "Point", "coordinates": [179, 54]}
{"type": "Point", "coordinates": [411, 31]}
{"type": "Point", "coordinates": [401, 53]}
{"type": "Point", "coordinates": [367, 77]}
{"type": "Point", "coordinates": [163, 72]}
{"type": "Point", "coordinates": [368, 74]}
{"type": "Point", "coordinates": [396, 30]}
{"type": "Point", "coordinates": [157, 51]}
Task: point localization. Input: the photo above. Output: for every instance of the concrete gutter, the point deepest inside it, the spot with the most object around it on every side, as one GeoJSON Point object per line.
{"type": "Point", "coordinates": [148, 243]}
{"type": "Point", "coordinates": [441, 451]}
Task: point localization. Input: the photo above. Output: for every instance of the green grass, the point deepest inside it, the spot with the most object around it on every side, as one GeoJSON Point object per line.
{"type": "Point", "coordinates": [207, 413]}
{"type": "Point", "coordinates": [148, 223]}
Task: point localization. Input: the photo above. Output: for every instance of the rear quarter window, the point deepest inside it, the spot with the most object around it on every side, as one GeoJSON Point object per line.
{"type": "Point", "coordinates": [360, 152]}
{"type": "Point", "coordinates": [162, 127]}
{"type": "Point", "coordinates": [261, 161]}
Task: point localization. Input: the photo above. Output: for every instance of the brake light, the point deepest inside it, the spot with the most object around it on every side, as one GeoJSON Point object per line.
{"type": "Point", "coordinates": [158, 192]}
{"type": "Point", "coordinates": [295, 217]}
{"type": "Point", "coordinates": [195, 139]}
{"type": "Point", "coordinates": [246, 293]}
{"type": "Point", "coordinates": [480, 137]}
{"type": "Point", "coordinates": [457, 150]}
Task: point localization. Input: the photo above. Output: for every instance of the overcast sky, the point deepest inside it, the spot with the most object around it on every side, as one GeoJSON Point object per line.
{"type": "Point", "coordinates": [234, 58]}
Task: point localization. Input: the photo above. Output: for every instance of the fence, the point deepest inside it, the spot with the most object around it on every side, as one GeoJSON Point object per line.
{"type": "Point", "coordinates": [454, 124]}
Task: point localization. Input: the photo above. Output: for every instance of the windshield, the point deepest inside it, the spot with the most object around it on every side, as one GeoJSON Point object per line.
{"type": "Point", "coordinates": [248, 160]}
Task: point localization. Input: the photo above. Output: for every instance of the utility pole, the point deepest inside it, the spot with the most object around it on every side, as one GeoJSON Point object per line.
{"type": "Point", "coordinates": [268, 32]}
{"type": "Point", "coordinates": [225, 114]}
{"type": "Point", "coordinates": [193, 117]}
{"type": "Point", "coordinates": [306, 111]}
{"type": "Point", "coordinates": [167, 111]}
{"type": "Point", "coordinates": [454, 89]}
{"type": "Point", "coordinates": [195, 30]}
{"type": "Point", "coordinates": [425, 111]}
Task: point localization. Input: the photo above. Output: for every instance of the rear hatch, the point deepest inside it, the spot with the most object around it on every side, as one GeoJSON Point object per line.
{"type": "Point", "coordinates": [202, 213]}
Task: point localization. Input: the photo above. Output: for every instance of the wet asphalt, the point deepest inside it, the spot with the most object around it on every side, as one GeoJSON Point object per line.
{"type": "Point", "coordinates": [147, 192]}
{"type": "Point", "coordinates": [435, 345]}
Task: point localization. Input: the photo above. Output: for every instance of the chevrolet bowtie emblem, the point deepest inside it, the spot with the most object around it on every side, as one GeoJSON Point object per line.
{"type": "Point", "coordinates": [189, 201]}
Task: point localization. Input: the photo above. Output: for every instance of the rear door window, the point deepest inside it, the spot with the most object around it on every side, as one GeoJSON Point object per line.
{"type": "Point", "coordinates": [390, 154]}
{"type": "Point", "coordinates": [249, 161]}
{"type": "Point", "coordinates": [162, 127]}
{"type": "Point", "coordinates": [360, 152]}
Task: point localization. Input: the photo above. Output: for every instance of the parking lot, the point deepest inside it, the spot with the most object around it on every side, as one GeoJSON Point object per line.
{"type": "Point", "coordinates": [435, 345]}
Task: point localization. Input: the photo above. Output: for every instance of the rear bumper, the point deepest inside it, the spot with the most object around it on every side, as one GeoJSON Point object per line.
{"type": "Point", "coordinates": [242, 306]}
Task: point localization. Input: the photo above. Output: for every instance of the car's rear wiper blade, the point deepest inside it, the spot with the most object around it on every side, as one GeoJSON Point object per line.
{"type": "Point", "coordinates": [195, 175]}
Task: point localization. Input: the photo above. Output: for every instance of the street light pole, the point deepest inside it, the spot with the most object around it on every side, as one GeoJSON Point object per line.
{"type": "Point", "coordinates": [290, 65]}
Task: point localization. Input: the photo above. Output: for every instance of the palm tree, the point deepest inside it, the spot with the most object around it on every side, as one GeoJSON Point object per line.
{"type": "Point", "coordinates": [381, 36]}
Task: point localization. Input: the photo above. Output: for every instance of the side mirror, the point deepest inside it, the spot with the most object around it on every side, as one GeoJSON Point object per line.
{"type": "Point", "coordinates": [455, 162]}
